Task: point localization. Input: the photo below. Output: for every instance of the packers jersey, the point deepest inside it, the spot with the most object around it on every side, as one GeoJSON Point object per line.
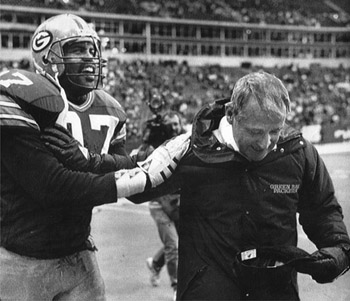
{"type": "Point", "coordinates": [28, 99]}
{"type": "Point", "coordinates": [98, 123]}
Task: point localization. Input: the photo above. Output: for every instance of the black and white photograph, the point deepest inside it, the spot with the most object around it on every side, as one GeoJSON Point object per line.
{"type": "Point", "coordinates": [163, 150]}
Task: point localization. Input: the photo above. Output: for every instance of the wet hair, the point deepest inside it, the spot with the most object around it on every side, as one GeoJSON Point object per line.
{"type": "Point", "coordinates": [265, 88]}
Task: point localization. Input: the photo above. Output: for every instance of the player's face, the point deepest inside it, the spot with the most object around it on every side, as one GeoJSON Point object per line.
{"type": "Point", "coordinates": [83, 71]}
{"type": "Point", "coordinates": [174, 125]}
{"type": "Point", "coordinates": [257, 133]}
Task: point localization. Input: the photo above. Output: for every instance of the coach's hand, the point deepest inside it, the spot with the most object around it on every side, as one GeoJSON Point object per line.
{"type": "Point", "coordinates": [329, 264]}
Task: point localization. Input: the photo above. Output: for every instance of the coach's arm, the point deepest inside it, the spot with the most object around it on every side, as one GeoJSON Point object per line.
{"type": "Point", "coordinates": [321, 217]}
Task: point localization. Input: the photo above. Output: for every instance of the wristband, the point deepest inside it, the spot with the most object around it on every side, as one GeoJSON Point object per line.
{"type": "Point", "coordinates": [130, 182]}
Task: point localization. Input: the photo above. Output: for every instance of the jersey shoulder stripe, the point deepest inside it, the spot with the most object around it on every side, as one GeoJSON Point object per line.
{"type": "Point", "coordinates": [11, 114]}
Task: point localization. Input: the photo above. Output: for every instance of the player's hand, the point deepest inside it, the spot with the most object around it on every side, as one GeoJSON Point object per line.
{"type": "Point", "coordinates": [154, 170]}
{"type": "Point", "coordinates": [65, 148]}
{"type": "Point", "coordinates": [130, 182]}
{"type": "Point", "coordinates": [328, 265]}
{"type": "Point", "coordinates": [161, 164]}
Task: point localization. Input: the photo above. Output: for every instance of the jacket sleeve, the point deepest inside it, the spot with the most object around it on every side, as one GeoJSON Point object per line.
{"type": "Point", "coordinates": [38, 174]}
{"type": "Point", "coordinates": [321, 215]}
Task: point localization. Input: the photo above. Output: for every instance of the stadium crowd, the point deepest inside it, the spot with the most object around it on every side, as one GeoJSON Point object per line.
{"type": "Point", "coordinates": [285, 12]}
{"type": "Point", "coordinates": [316, 93]}
{"type": "Point", "coordinates": [319, 95]}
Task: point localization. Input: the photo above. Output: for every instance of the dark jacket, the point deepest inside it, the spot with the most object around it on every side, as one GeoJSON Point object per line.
{"type": "Point", "coordinates": [229, 204]}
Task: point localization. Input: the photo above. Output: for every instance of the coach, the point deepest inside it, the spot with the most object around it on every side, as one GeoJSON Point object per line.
{"type": "Point", "coordinates": [243, 181]}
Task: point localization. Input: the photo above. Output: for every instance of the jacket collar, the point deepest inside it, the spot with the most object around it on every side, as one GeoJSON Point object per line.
{"type": "Point", "coordinates": [224, 134]}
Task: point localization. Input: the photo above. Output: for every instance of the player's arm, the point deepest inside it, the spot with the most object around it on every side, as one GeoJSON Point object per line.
{"type": "Point", "coordinates": [40, 175]}
{"type": "Point", "coordinates": [69, 152]}
{"type": "Point", "coordinates": [151, 172]}
{"type": "Point", "coordinates": [168, 187]}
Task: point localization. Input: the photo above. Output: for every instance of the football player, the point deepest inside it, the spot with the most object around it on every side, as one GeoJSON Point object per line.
{"type": "Point", "coordinates": [71, 55]}
{"type": "Point", "coordinates": [45, 248]}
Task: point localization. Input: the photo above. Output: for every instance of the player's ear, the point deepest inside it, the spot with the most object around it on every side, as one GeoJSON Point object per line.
{"type": "Point", "coordinates": [229, 113]}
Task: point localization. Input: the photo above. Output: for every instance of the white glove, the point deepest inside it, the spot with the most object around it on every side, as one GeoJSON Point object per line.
{"type": "Point", "coordinates": [161, 164]}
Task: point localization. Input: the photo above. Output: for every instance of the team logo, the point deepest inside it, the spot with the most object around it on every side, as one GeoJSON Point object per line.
{"type": "Point", "coordinates": [284, 188]}
{"type": "Point", "coordinates": [41, 41]}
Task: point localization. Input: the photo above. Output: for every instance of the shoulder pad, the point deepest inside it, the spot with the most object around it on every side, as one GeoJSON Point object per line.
{"type": "Point", "coordinates": [31, 88]}
{"type": "Point", "coordinates": [103, 99]}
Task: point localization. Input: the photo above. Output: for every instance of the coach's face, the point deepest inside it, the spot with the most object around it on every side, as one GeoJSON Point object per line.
{"type": "Point", "coordinates": [256, 131]}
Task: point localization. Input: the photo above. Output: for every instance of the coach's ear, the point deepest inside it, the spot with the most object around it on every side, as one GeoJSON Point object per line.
{"type": "Point", "coordinates": [229, 112]}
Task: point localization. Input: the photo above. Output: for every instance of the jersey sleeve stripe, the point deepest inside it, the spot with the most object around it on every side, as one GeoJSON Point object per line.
{"type": "Point", "coordinates": [11, 114]}
{"type": "Point", "coordinates": [16, 120]}
{"type": "Point", "coordinates": [9, 104]}
{"type": "Point", "coordinates": [120, 136]}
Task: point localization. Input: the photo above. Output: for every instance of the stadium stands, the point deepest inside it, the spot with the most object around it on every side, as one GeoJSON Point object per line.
{"type": "Point", "coordinates": [285, 12]}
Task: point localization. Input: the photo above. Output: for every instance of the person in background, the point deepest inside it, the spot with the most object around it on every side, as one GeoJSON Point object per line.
{"type": "Point", "coordinates": [242, 181]}
{"type": "Point", "coordinates": [164, 209]}
{"type": "Point", "coordinates": [165, 212]}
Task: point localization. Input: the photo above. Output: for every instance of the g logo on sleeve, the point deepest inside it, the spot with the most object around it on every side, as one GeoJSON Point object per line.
{"type": "Point", "coordinates": [41, 40]}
